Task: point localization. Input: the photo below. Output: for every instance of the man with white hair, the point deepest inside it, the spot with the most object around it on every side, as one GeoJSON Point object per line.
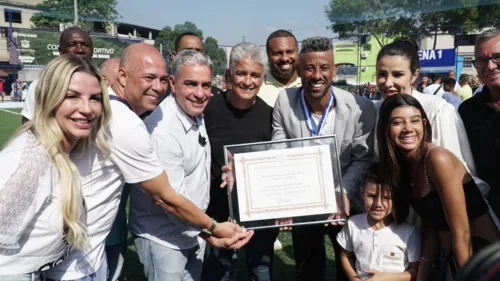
{"type": "Point", "coordinates": [234, 117]}
{"type": "Point", "coordinates": [168, 247]}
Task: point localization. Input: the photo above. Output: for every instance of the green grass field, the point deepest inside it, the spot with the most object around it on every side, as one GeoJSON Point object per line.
{"type": "Point", "coordinates": [284, 264]}
{"type": "Point", "coordinates": [9, 122]}
{"type": "Point", "coordinates": [283, 267]}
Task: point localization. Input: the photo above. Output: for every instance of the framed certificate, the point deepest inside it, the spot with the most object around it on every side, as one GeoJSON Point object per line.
{"type": "Point", "coordinates": [297, 179]}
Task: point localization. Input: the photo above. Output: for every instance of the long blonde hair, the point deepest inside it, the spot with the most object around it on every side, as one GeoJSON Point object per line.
{"type": "Point", "coordinates": [50, 93]}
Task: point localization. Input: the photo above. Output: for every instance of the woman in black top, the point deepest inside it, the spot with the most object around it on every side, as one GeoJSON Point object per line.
{"type": "Point", "coordinates": [435, 182]}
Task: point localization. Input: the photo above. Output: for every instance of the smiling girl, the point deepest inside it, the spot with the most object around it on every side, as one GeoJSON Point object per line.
{"type": "Point", "coordinates": [398, 68]}
{"type": "Point", "coordinates": [454, 213]}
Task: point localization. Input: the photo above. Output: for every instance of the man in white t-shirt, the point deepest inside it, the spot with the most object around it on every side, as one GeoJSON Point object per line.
{"type": "Point", "coordinates": [73, 40]}
{"type": "Point", "coordinates": [141, 80]}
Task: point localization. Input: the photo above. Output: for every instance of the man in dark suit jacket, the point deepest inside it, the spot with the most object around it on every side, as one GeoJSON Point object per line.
{"type": "Point", "coordinates": [318, 109]}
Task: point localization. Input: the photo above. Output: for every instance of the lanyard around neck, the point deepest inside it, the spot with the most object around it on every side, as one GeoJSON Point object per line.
{"type": "Point", "coordinates": [308, 114]}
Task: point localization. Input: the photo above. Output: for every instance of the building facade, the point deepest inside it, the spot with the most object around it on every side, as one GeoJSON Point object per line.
{"type": "Point", "coordinates": [26, 49]}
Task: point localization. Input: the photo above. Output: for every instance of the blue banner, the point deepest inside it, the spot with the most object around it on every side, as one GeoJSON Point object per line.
{"type": "Point", "coordinates": [437, 58]}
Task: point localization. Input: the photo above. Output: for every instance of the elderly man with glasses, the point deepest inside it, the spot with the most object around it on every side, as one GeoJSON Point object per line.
{"type": "Point", "coordinates": [481, 116]}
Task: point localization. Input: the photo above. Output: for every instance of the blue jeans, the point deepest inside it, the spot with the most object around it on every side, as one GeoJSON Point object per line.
{"type": "Point", "coordinates": [222, 265]}
{"type": "Point", "coordinates": [100, 275]}
{"type": "Point", "coordinates": [164, 264]}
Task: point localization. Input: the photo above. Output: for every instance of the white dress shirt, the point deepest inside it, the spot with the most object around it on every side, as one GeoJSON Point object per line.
{"type": "Point", "coordinates": [176, 139]}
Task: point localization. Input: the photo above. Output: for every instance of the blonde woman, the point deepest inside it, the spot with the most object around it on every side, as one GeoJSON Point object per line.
{"type": "Point", "coordinates": [42, 209]}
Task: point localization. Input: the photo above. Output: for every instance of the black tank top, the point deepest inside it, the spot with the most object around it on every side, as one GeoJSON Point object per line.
{"type": "Point", "coordinates": [430, 207]}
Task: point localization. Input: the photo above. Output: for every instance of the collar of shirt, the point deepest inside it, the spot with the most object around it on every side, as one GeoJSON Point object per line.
{"type": "Point", "coordinates": [185, 119]}
{"type": "Point", "coordinates": [270, 80]}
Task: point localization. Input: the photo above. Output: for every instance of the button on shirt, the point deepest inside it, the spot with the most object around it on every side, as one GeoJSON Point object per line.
{"type": "Point", "coordinates": [389, 249]}
{"type": "Point", "coordinates": [271, 88]}
{"type": "Point", "coordinates": [176, 138]}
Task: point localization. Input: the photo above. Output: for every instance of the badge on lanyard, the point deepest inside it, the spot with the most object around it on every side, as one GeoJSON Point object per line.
{"type": "Point", "coordinates": [308, 114]}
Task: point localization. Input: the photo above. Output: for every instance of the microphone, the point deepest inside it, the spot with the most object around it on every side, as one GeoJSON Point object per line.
{"type": "Point", "coordinates": [202, 140]}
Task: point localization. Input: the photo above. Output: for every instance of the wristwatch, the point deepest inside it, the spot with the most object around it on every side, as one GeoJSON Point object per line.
{"type": "Point", "coordinates": [210, 231]}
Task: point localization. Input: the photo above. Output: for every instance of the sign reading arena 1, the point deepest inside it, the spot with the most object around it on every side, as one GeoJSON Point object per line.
{"type": "Point", "coordinates": [39, 47]}
{"type": "Point", "coordinates": [437, 58]}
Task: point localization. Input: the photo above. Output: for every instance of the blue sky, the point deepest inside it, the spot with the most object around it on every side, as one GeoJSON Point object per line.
{"type": "Point", "coordinates": [228, 21]}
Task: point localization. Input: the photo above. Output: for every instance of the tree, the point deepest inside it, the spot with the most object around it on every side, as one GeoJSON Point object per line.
{"type": "Point", "coordinates": [460, 22]}
{"type": "Point", "coordinates": [166, 37]}
{"type": "Point", "coordinates": [217, 55]}
{"type": "Point", "coordinates": [166, 42]}
{"type": "Point", "coordinates": [387, 19]}
{"type": "Point", "coordinates": [384, 20]}
{"type": "Point", "coordinates": [54, 12]}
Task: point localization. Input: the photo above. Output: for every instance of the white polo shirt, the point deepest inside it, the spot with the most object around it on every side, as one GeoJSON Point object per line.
{"type": "Point", "coordinates": [176, 139]}
{"type": "Point", "coordinates": [31, 228]}
{"type": "Point", "coordinates": [132, 160]}
{"type": "Point", "coordinates": [389, 249]}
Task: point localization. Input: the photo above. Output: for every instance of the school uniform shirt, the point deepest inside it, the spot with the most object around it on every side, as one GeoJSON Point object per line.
{"type": "Point", "coordinates": [389, 249]}
{"type": "Point", "coordinates": [132, 160]}
{"type": "Point", "coordinates": [183, 150]}
{"type": "Point", "coordinates": [31, 226]}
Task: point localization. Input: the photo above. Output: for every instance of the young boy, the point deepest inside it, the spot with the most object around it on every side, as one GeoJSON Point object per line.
{"type": "Point", "coordinates": [374, 247]}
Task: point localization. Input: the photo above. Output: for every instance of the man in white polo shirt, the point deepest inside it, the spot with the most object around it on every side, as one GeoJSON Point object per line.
{"type": "Point", "coordinates": [142, 78]}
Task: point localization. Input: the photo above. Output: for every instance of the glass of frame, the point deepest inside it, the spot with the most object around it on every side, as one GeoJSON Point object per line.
{"type": "Point", "coordinates": [297, 179]}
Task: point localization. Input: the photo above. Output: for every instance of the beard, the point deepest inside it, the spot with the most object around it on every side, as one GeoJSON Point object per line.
{"type": "Point", "coordinates": [282, 75]}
